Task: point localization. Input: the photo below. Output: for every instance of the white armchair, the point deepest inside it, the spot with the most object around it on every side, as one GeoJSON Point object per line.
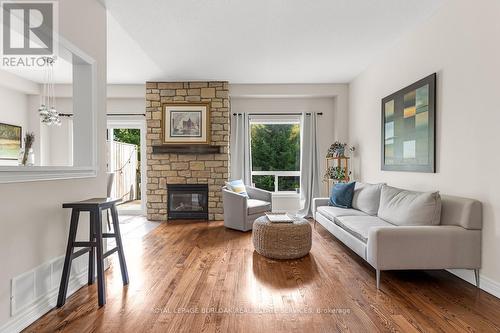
{"type": "Point", "coordinates": [240, 212]}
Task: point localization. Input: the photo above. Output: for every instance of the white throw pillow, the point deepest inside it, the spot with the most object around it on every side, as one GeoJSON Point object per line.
{"type": "Point", "coordinates": [367, 197]}
{"type": "Point", "coordinates": [403, 207]}
{"type": "Point", "coordinates": [237, 186]}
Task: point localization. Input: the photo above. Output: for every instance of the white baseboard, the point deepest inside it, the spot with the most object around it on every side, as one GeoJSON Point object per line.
{"type": "Point", "coordinates": [30, 313]}
{"type": "Point", "coordinates": [486, 284]}
{"type": "Point", "coordinates": [41, 306]}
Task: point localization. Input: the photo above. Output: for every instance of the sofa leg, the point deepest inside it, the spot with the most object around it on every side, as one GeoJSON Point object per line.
{"type": "Point", "coordinates": [476, 274]}
{"type": "Point", "coordinates": [378, 278]}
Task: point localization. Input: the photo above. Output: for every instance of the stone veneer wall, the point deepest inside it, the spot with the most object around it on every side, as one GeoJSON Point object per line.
{"type": "Point", "coordinates": [187, 168]}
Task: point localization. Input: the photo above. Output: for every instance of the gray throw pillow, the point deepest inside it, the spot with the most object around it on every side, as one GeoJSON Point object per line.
{"type": "Point", "coordinates": [403, 207]}
{"type": "Point", "coordinates": [367, 197]}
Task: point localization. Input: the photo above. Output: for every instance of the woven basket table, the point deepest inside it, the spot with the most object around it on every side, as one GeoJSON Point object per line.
{"type": "Point", "coordinates": [282, 240]}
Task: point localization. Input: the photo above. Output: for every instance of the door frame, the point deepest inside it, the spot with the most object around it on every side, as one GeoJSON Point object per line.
{"type": "Point", "coordinates": [133, 122]}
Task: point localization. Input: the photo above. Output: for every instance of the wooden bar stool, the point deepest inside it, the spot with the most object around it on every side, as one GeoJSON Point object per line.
{"type": "Point", "coordinates": [94, 246]}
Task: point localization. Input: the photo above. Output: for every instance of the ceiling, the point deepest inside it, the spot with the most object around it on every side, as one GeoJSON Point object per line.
{"type": "Point", "coordinates": [254, 41]}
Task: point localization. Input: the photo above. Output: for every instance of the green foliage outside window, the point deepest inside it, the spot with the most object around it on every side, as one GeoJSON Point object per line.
{"type": "Point", "coordinates": [127, 135]}
{"type": "Point", "coordinates": [275, 147]}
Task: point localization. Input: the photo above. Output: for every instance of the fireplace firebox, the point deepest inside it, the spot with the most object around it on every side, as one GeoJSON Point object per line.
{"type": "Point", "coordinates": [187, 202]}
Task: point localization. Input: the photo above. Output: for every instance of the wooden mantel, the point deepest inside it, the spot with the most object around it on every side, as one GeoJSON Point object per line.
{"type": "Point", "coordinates": [186, 149]}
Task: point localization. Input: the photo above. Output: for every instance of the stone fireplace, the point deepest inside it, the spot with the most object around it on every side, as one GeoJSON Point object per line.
{"type": "Point", "coordinates": [208, 167]}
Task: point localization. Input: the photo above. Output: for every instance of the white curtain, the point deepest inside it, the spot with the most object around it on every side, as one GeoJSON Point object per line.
{"type": "Point", "coordinates": [310, 181]}
{"type": "Point", "coordinates": [241, 161]}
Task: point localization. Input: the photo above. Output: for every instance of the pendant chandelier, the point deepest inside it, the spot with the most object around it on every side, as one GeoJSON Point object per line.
{"type": "Point", "coordinates": [47, 110]}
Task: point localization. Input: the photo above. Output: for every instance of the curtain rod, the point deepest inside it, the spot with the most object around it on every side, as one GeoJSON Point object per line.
{"type": "Point", "coordinates": [108, 114]}
{"type": "Point", "coordinates": [125, 114]}
{"type": "Point", "coordinates": [278, 114]}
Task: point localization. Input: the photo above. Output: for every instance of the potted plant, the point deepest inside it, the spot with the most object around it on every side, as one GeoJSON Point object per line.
{"type": "Point", "coordinates": [337, 149]}
{"type": "Point", "coordinates": [336, 173]}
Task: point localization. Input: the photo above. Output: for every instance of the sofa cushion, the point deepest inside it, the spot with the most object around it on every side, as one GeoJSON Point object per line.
{"type": "Point", "coordinates": [367, 197]}
{"type": "Point", "coordinates": [359, 226]}
{"type": "Point", "coordinates": [403, 207]}
{"type": "Point", "coordinates": [255, 206]}
{"type": "Point", "coordinates": [331, 212]}
{"type": "Point", "coordinates": [341, 195]}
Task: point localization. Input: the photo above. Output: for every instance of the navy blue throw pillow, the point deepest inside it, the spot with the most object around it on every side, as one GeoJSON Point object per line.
{"type": "Point", "coordinates": [342, 194]}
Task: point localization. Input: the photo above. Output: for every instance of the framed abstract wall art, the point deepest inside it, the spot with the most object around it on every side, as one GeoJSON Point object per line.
{"type": "Point", "coordinates": [186, 123]}
{"type": "Point", "coordinates": [409, 128]}
{"type": "Point", "coordinates": [10, 141]}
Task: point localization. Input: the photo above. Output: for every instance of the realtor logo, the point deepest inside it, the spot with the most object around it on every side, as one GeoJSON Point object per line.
{"type": "Point", "coordinates": [28, 29]}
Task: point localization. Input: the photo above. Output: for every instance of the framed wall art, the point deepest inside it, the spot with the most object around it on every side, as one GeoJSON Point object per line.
{"type": "Point", "coordinates": [186, 123]}
{"type": "Point", "coordinates": [409, 128]}
{"type": "Point", "coordinates": [10, 141]}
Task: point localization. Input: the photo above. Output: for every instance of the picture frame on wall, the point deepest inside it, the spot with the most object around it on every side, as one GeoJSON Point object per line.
{"type": "Point", "coordinates": [409, 128]}
{"type": "Point", "coordinates": [10, 141]}
{"type": "Point", "coordinates": [186, 123]}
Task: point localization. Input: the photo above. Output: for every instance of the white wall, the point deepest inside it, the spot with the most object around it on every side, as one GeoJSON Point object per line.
{"type": "Point", "coordinates": [126, 105]}
{"type": "Point", "coordinates": [460, 43]}
{"type": "Point", "coordinates": [57, 141]}
{"type": "Point", "coordinates": [60, 143]}
{"type": "Point", "coordinates": [126, 99]}
{"type": "Point", "coordinates": [13, 111]}
{"type": "Point", "coordinates": [34, 227]}
{"type": "Point", "coordinates": [18, 106]}
{"type": "Point", "coordinates": [121, 98]}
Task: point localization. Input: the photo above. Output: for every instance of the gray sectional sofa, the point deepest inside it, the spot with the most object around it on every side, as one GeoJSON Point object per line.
{"type": "Point", "coordinates": [395, 229]}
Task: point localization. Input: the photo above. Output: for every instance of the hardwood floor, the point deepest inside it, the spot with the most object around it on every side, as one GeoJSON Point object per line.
{"type": "Point", "coordinates": [201, 277]}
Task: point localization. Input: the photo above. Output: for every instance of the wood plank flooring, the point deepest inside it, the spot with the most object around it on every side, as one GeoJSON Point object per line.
{"type": "Point", "coordinates": [201, 277]}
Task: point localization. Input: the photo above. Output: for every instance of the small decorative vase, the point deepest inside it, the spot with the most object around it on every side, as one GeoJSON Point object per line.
{"type": "Point", "coordinates": [31, 157]}
{"type": "Point", "coordinates": [26, 158]}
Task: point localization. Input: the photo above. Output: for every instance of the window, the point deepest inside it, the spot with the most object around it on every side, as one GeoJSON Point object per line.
{"type": "Point", "coordinates": [275, 151]}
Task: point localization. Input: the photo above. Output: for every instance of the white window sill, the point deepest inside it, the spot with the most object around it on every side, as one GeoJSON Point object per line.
{"type": "Point", "coordinates": [16, 174]}
{"type": "Point", "coordinates": [286, 194]}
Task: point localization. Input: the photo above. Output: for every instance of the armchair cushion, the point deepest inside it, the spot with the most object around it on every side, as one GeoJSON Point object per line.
{"type": "Point", "coordinates": [256, 206]}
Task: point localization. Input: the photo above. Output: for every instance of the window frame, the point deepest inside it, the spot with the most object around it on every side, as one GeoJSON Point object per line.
{"type": "Point", "coordinates": [276, 119]}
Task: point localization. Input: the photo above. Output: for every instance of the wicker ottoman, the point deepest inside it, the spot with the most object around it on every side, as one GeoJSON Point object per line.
{"type": "Point", "coordinates": [282, 240]}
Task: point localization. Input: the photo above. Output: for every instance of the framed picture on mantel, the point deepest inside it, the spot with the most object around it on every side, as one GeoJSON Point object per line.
{"type": "Point", "coordinates": [186, 123]}
{"type": "Point", "coordinates": [10, 141]}
{"type": "Point", "coordinates": [409, 128]}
